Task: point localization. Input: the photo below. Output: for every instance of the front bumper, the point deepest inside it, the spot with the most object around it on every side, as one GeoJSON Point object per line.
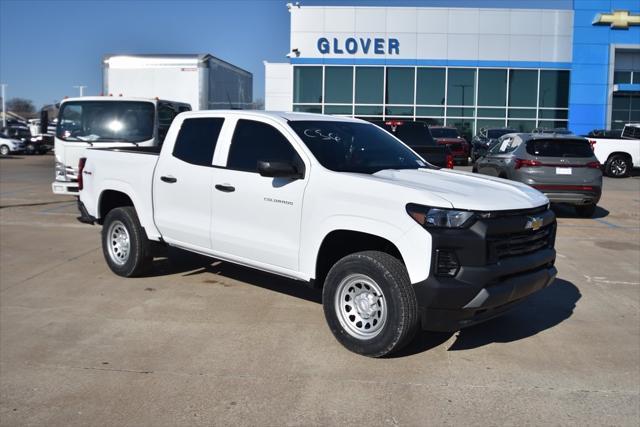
{"type": "Point", "coordinates": [496, 271]}
{"type": "Point", "coordinates": [65, 188]}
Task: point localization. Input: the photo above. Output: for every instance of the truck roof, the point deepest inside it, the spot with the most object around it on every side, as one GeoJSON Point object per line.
{"type": "Point", "coordinates": [116, 98]}
{"type": "Point", "coordinates": [278, 115]}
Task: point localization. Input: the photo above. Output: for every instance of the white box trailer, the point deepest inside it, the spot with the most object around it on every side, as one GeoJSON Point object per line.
{"type": "Point", "coordinates": [203, 81]}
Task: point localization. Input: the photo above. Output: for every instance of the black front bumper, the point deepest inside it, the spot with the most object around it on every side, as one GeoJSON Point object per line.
{"type": "Point", "coordinates": [500, 264]}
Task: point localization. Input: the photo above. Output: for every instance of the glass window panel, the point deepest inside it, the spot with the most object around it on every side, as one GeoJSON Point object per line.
{"type": "Point", "coordinates": [338, 109]}
{"type": "Point", "coordinates": [523, 85]}
{"type": "Point", "coordinates": [620, 116]}
{"type": "Point", "coordinates": [553, 114]}
{"type": "Point", "coordinates": [522, 113]}
{"type": "Point", "coordinates": [197, 140]}
{"type": "Point", "coordinates": [557, 124]}
{"type": "Point", "coordinates": [635, 102]}
{"type": "Point", "coordinates": [307, 84]}
{"type": "Point", "coordinates": [369, 110]}
{"type": "Point", "coordinates": [432, 121]}
{"type": "Point", "coordinates": [491, 112]}
{"type": "Point", "coordinates": [430, 86]}
{"type": "Point", "coordinates": [399, 111]}
{"type": "Point", "coordinates": [634, 116]}
{"type": "Point", "coordinates": [621, 77]}
{"type": "Point", "coordinates": [369, 85]}
{"type": "Point", "coordinates": [522, 125]}
{"type": "Point", "coordinates": [486, 123]}
{"type": "Point", "coordinates": [308, 108]}
{"type": "Point", "coordinates": [400, 85]}
{"type": "Point", "coordinates": [554, 88]}
{"type": "Point", "coordinates": [492, 87]}
{"type": "Point", "coordinates": [429, 111]}
{"type": "Point", "coordinates": [338, 84]}
{"type": "Point", "coordinates": [461, 86]}
{"type": "Point", "coordinates": [460, 112]}
{"type": "Point", "coordinates": [621, 102]}
{"type": "Point", "coordinates": [636, 77]}
{"type": "Point", "coordinates": [464, 126]}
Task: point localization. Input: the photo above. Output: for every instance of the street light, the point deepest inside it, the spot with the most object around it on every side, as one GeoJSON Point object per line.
{"type": "Point", "coordinates": [81, 88]}
{"type": "Point", "coordinates": [4, 110]}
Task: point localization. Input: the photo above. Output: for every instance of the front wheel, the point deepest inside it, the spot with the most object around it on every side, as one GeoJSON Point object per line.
{"type": "Point", "coordinates": [124, 243]}
{"type": "Point", "coordinates": [369, 303]}
{"type": "Point", "coordinates": [4, 150]}
{"type": "Point", "coordinates": [617, 166]}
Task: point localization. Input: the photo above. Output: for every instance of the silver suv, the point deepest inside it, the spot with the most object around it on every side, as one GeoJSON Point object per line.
{"type": "Point", "coordinates": [563, 167]}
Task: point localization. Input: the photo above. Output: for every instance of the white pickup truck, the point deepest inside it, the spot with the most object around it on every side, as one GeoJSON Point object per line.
{"type": "Point", "coordinates": [340, 203]}
{"type": "Point", "coordinates": [619, 156]}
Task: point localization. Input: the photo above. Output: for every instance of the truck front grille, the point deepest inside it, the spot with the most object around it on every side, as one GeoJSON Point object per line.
{"type": "Point", "coordinates": [521, 243]}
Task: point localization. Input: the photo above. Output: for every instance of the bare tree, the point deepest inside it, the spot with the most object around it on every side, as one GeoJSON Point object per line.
{"type": "Point", "coordinates": [21, 106]}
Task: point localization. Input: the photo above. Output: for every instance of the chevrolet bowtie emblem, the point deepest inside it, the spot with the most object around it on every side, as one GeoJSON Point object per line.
{"type": "Point", "coordinates": [620, 19]}
{"type": "Point", "coordinates": [533, 223]}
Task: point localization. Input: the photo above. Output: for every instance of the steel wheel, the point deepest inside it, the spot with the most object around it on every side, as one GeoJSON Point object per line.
{"type": "Point", "coordinates": [119, 243]}
{"type": "Point", "coordinates": [360, 306]}
{"type": "Point", "coordinates": [4, 150]}
{"type": "Point", "coordinates": [618, 167]}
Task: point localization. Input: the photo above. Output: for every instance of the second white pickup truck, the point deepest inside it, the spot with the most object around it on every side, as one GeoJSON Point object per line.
{"type": "Point", "coordinates": [394, 242]}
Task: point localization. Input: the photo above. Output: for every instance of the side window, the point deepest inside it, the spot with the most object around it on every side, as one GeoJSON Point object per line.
{"type": "Point", "coordinates": [197, 139]}
{"type": "Point", "coordinates": [166, 114]}
{"type": "Point", "coordinates": [254, 141]}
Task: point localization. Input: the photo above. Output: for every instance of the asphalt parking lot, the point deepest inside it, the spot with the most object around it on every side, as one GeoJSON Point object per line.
{"type": "Point", "coordinates": [200, 342]}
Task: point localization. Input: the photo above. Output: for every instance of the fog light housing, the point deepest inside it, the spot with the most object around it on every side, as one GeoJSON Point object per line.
{"type": "Point", "coordinates": [446, 263]}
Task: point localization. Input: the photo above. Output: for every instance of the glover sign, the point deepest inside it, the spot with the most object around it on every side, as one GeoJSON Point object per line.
{"type": "Point", "coordinates": [352, 46]}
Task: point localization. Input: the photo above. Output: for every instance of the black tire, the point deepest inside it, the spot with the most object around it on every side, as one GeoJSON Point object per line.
{"type": "Point", "coordinates": [398, 299]}
{"type": "Point", "coordinates": [585, 211]}
{"type": "Point", "coordinates": [618, 166]}
{"type": "Point", "coordinates": [5, 150]}
{"type": "Point", "coordinates": [139, 251]}
{"type": "Point", "coordinates": [31, 149]}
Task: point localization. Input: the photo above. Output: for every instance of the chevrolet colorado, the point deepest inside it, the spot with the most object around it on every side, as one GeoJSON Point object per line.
{"type": "Point", "coordinates": [394, 242]}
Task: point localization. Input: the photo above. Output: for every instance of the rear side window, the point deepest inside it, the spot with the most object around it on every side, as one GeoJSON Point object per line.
{"type": "Point", "coordinates": [255, 141]}
{"type": "Point", "coordinates": [197, 139]}
{"type": "Point", "coordinates": [559, 148]}
{"type": "Point", "coordinates": [411, 133]}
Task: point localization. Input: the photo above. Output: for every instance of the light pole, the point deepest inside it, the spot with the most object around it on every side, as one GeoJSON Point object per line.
{"type": "Point", "coordinates": [4, 110]}
{"type": "Point", "coordinates": [81, 88]}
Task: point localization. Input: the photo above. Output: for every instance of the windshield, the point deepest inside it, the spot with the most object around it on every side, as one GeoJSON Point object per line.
{"type": "Point", "coordinates": [497, 133]}
{"type": "Point", "coordinates": [106, 121]}
{"type": "Point", "coordinates": [355, 147]}
{"type": "Point", "coordinates": [444, 132]}
{"type": "Point", "coordinates": [559, 148]}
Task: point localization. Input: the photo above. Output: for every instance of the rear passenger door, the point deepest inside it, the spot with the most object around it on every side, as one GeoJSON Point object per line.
{"type": "Point", "coordinates": [182, 184]}
{"type": "Point", "coordinates": [257, 218]}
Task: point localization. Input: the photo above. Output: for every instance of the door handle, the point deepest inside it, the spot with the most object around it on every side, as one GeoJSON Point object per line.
{"type": "Point", "coordinates": [169, 179]}
{"type": "Point", "coordinates": [225, 188]}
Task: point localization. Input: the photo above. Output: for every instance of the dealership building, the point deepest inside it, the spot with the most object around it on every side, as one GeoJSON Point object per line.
{"type": "Point", "coordinates": [576, 67]}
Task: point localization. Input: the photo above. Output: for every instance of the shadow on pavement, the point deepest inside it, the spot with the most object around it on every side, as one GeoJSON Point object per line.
{"type": "Point", "coordinates": [540, 312]}
{"type": "Point", "coordinates": [567, 211]}
{"type": "Point", "coordinates": [178, 261]}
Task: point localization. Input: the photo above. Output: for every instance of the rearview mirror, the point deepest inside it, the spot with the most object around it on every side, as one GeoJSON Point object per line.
{"type": "Point", "coordinates": [278, 170]}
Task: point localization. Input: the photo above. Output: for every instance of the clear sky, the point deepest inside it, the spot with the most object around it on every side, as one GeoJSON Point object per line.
{"type": "Point", "coordinates": [47, 47]}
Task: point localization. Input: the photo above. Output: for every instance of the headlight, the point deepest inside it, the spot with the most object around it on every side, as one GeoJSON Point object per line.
{"type": "Point", "coordinates": [440, 218]}
{"type": "Point", "coordinates": [61, 171]}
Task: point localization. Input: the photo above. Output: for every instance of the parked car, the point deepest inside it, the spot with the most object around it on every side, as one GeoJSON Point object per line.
{"type": "Point", "coordinates": [563, 167]}
{"type": "Point", "coordinates": [32, 145]}
{"type": "Point", "coordinates": [481, 143]}
{"type": "Point", "coordinates": [10, 145]}
{"type": "Point", "coordinates": [450, 136]}
{"type": "Point", "coordinates": [336, 202]}
{"type": "Point", "coordinates": [416, 135]}
{"type": "Point", "coordinates": [605, 134]}
{"type": "Point", "coordinates": [619, 156]}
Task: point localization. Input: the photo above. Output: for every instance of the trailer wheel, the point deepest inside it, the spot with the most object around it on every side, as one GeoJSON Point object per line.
{"type": "Point", "coordinates": [369, 303]}
{"type": "Point", "coordinates": [124, 243]}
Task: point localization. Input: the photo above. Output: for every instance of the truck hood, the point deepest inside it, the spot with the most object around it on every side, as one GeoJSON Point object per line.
{"type": "Point", "coordinates": [466, 190]}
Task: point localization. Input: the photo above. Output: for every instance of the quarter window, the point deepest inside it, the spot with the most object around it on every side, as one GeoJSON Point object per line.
{"type": "Point", "coordinates": [256, 141]}
{"type": "Point", "coordinates": [197, 139]}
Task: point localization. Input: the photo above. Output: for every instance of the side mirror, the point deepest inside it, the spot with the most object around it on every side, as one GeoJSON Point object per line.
{"type": "Point", "coordinates": [278, 170]}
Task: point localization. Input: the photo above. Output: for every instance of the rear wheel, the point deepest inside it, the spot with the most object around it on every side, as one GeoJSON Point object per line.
{"type": "Point", "coordinates": [124, 243]}
{"type": "Point", "coordinates": [586, 211]}
{"type": "Point", "coordinates": [617, 166]}
{"type": "Point", "coordinates": [369, 303]}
